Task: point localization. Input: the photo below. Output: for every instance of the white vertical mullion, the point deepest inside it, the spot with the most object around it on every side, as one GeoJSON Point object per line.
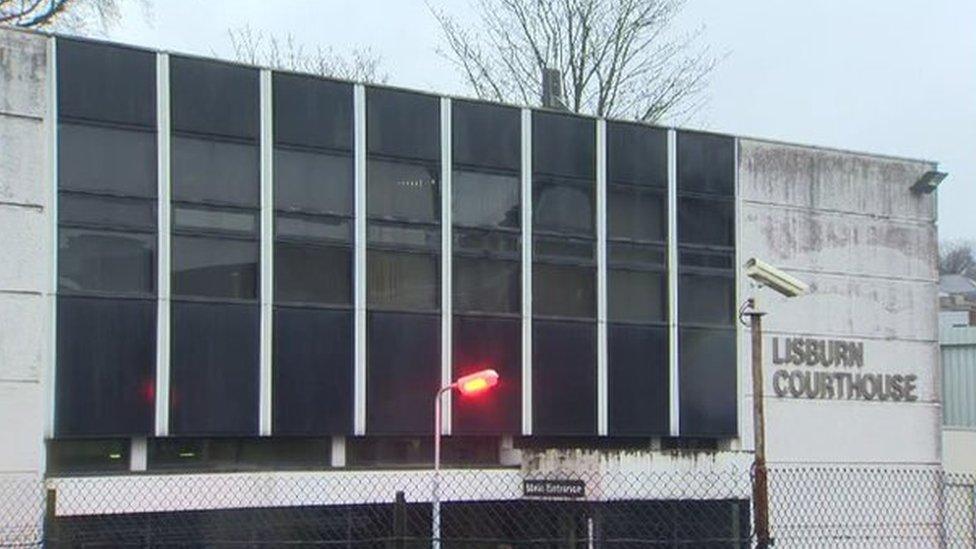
{"type": "Point", "coordinates": [163, 287]}
{"type": "Point", "coordinates": [446, 274]}
{"type": "Point", "coordinates": [267, 253]}
{"type": "Point", "coordinates": [602, 390]}
{"type": "Point", "coordinates": [739, 379]}
{"type": "Point", "coordinates": [359, 374]}
{"type": "Point", "coordinates": [673, 388]}
{"type": "Point", "coordinates": [52, 189]}
{"type": "Point", "coordinates": [526, 272]}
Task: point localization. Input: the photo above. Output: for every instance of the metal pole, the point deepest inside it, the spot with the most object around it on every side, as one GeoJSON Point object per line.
{"type": "Point", "coordinates": [435, 527]}
{"type": "Point", "coordinates": [760, 486]}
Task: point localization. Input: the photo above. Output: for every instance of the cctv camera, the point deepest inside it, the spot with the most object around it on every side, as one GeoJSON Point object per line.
{"type": "Point", "coordinates": [767, 275]}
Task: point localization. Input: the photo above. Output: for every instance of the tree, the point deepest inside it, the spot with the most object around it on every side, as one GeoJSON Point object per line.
{"type": "Point", "coordinates": [256, 47]}
{"type": "Point", "coordinates": [958, 257]}
{"type": "Point", "coordinates": [78, 16]}
{"type": "Point", "coordinates": [617, 58]}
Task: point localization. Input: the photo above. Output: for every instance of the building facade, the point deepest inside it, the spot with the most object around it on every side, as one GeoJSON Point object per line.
{"type": "Point", "coordinates": [219, 267]}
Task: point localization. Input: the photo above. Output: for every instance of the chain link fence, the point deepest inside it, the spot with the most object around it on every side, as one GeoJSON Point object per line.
{"type": "Point", "coordinates": [503, 508]}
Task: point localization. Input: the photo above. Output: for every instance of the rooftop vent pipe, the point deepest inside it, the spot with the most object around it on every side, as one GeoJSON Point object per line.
{"type": "Point", "coordinates": [552, 90]}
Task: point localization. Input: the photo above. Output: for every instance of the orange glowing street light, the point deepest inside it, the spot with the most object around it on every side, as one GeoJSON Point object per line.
{"type": "Point", "coordinates": [469, 385]}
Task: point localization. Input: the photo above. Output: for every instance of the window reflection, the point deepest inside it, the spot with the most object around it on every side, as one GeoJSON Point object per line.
{"type": "Point", "coordinates": [486, 200]}
{"type": "Point", "coordinates": [215, 267]}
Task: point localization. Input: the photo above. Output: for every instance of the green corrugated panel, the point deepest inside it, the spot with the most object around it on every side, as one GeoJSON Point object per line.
{"type": "Point", "coordinates": [959, 377]}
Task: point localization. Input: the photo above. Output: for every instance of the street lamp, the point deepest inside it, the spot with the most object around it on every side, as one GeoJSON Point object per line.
{"type": "Point", "coordinates": [788, 286]}
{"type": "Point", "coordinates": [469, 385]}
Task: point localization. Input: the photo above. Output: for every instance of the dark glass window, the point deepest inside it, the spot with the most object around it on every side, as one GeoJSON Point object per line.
{"type": "Point", "coordinates": [397, 280]}
{"type": "Point", "coordinates": [705, 221]}
{"type": "Point", "coordinates": [707, 382]}
{"type": "Point", "coordinates": [638, 380]}
{"type": "Point", "coordinates": [563, 206]}
{"type": "Point", "coordinates": [484, 285]}
{"type": "Point", "coordinates": [238, 454]}
{"type": "Point", "coordinates": [106, 83]}
{"type": "Point", "coordinates": [65, 457]}
{"type": "Point", "coordinates": [563, 378]}
{"type": "Point", "coordinates": [399, 235]}
{"type": "Point", "coordinates": [636, 255]}
{"type": "Point", "coordinates": [222, 172]}
{"type": "Point", "coordinates": [634, 214]}
{"type": "Point", "coordinates": [637, 154]}
{"type": "Point", "coordinates": [313, 273]}
{"type": "Point", "coordinates": [214, 369]}
{"type": "Point", "coordinates": [106, 364]}
{"type": "Point", "coordinates": [107, 160]}
{"type": "Point", "coordinates": [215, 267]}
{"type": "Point", "coordinates": [403, 190]}
{"type": "Point", "coordinates": [403, 184]}
{"type": "Point", "coordinates": [304, 227]}
{"type": "Point", "coordinates": [563, 290]}
{"type": "Point", "coordinates": [482, 342]}
{"type": "Point", "coordinates": [706, 298]}
{"type": "Point", "coordinates": [706, 163]}
{"type": "Point", "coordinates": [402, 372]}
{"type": "Point", "coordinates": [403, 124]}
{"type": "Point", "coordinates": [108, 212]}
{"type": "Point", "coordinates": [486, 199]}
{"type": "Point", "coordinates": [210, 220]}
{"type": "Point", "coordinates": [558, 248]}
{"type": "Point", "coordinates": [213, 98]}
{"type": "Point", "coordinates": [313, 182]}
{"type": "Point", "coordinates": [386, 451]}
{"type": "Point", "coordinates": [486, 242]}
{"type": "Point", "coordinates": [563, 145]}
{"type": "Point", "coordinates": [313, 371]}
{"type": "Point", "coordinates": [312, 112]}
{"type": "Point", "coordinates": [314, 174]}
{"type": "Point", "coordinates": [637, 296]}
{"type": "Point", "coordinates": [485, 135]}
{"type": "Point", "coordinates": [106, 261]}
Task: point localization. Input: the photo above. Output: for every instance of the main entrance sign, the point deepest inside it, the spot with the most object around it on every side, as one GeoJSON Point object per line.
{"type": "Point", "coordinates": [833, 369]}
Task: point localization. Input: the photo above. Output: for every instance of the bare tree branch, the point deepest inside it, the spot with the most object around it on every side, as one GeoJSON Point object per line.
{"type": "Point", "coordinates": [617, 58]}
{"type": "Point", "coordinates": [255, 47]}
{"type": "Point", "coordinates": [958, 257]}
{"type": "Point", "coordinates": [76, 16]}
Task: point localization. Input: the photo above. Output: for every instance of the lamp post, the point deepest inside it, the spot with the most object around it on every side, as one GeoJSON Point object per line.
{"type": "Point", "coordinates": [469, 385]}
{"type": "Point", "coordinates": [787, 286]}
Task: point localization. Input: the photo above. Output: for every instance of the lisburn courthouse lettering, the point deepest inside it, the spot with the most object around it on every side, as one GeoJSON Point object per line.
{"type": "Point", "coordinates": [832, 369]}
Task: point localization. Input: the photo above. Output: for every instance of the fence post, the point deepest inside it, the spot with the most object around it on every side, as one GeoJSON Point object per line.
{"type": "Point", "coordinates": [50, 517]}
{"type": "Point", "coordinates": [399, 520]}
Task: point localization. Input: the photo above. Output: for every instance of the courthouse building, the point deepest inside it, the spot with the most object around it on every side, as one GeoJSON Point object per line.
{"type": "Point", "coordinates": [211, 267]}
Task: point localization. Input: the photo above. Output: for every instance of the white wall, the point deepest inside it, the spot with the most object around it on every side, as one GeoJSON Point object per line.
{"type": "Point", "coordinates": [848, 225]}
{"type": "Point", "coordinates": [25, 277]}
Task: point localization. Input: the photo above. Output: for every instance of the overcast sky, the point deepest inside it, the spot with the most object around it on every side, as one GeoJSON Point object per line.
{"type": "Point", "coordinates": [889, 76]}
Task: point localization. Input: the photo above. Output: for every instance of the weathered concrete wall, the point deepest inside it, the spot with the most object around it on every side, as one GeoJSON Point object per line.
{"type": "Point", "coordinates": [25, 276]}
{"type": "Point", "coordinates": [848, 225]}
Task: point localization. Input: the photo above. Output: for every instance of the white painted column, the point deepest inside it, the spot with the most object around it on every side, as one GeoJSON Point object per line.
{"type": "Point", "coordinates": [138, 454]}
{"type": "Point", "coordinates": [673, 390]}
{"type": "Point", "coordinates": [338, 454]}
{"type": "Point", "coordinates": [267, 253]}
{"type": "Point", "coordinates": [446, 263]}
{"type": "Point", "coordinates": [602, 389]}
{"type": "Point", "coordinates": [51, 122]}
{"type": "Point", "coordinates": [359, 255]}
{"type": "Point", "coordinates": [526, 272]}
{"type": "Point", "coordinates": [163, 288]}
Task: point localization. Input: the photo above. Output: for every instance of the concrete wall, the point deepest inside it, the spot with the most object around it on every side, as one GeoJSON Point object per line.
{"type": "Point", "coordinates": [25, 275]}
{"type": "Point", "coordinates": [848, 225]}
